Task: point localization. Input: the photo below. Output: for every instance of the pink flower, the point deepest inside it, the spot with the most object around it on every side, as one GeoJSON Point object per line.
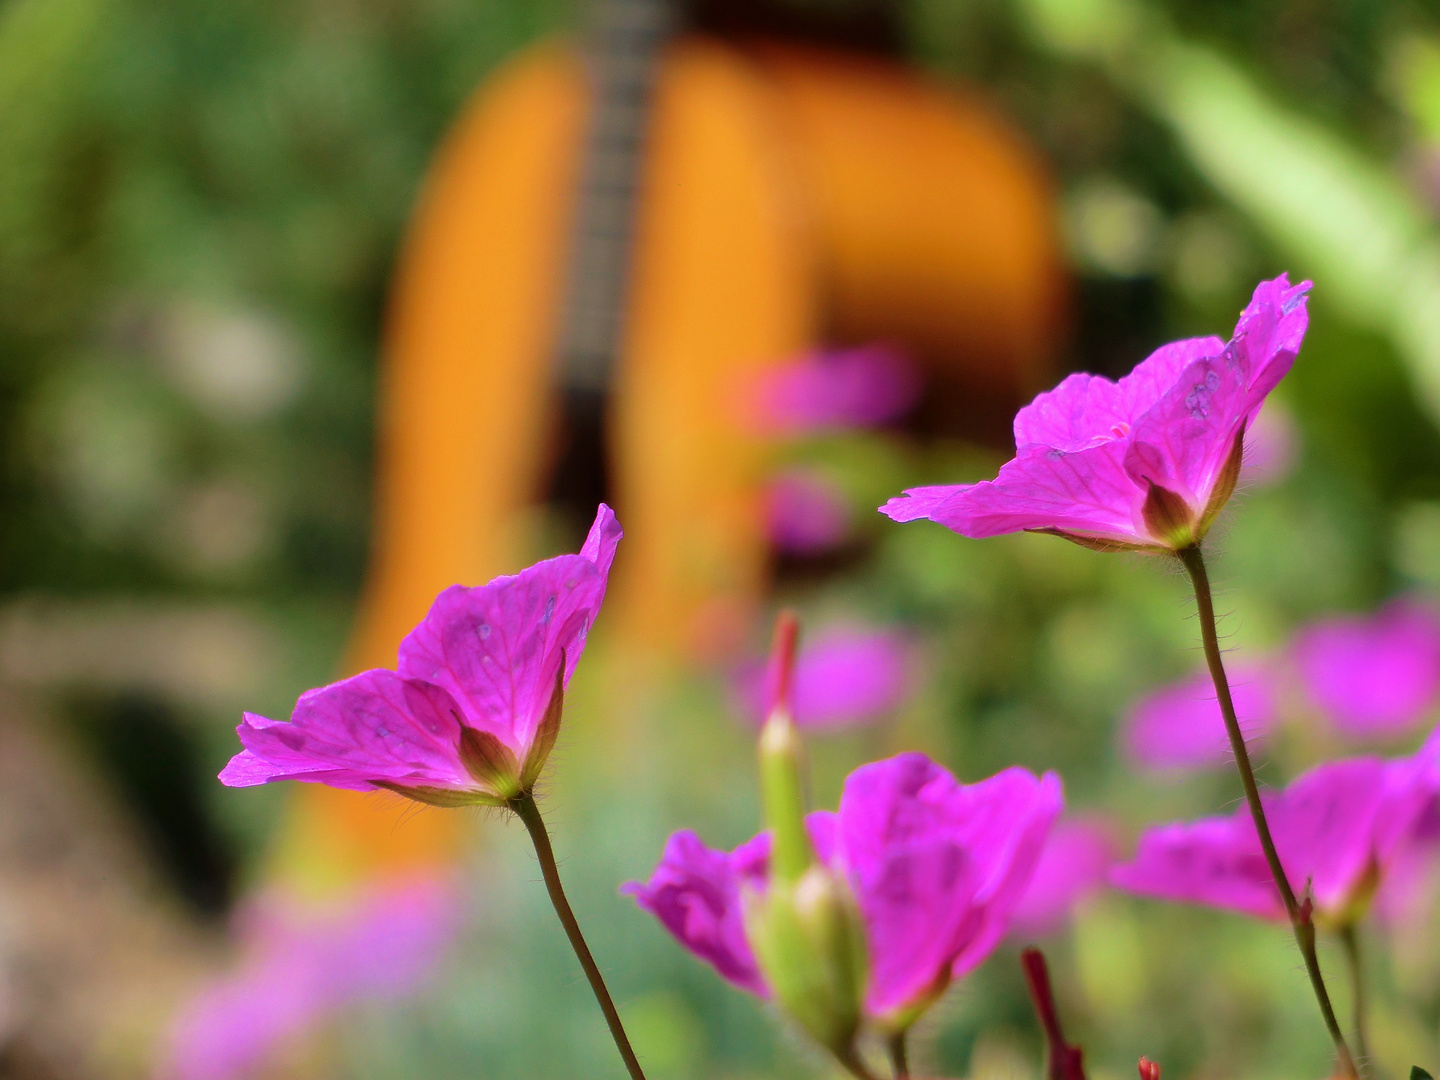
{"type": "Point", "coordinates": [1143, 464]}
{"type": "Point", "coordinates": [837, 390]}
{"type": "Point", "coordinates": [845, 676]}
{"type": "Point", "coordinates": [475, 707]}
{"type": "Point", "coordinates": [1376, 675]}
{"type": "Point", "coordinates": [301, 967]}
{"type": "Point", "coordinates": [1180, 726]}
{"type": "Point", "coordinates": [936, 866]}
{"type": "Point", "coordinates": [1338, 829]}
{"type": "Point", "coordinates": [806, 511]}
{"type": "Point", "coordinates": [1072, 868]}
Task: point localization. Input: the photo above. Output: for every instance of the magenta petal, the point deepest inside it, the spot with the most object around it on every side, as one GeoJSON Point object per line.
{"type": "Point", "coordinates": [1084, 492]}
{"type": "Point", "coordinates": [937, 867]}
{"type": "Point", "coordinates": [1073, 865]}
{"type": "Point", "coordinates": [1180, 726]}
{"type": "Point", "coordinates": [1081, 411]}
{"type": "Point", "coordinates": [1215, 861]}
{"type": "Point", "coordinates": [1267, 338]}
{"type": "Point", "coordinates": [355, 733]}
{"type": "Point", "coordinates": [1158, 373]}
{"type": "Point", "coordinates": [1086, 410]}
{"type": "Point", "coordinates": [497, 647]}
{"type": "Point", "coordinates": [1333, 827]}
{"type": "Point", "coordinates": [695, 893]}
{"type": "Point", "coordinates": [1328, 827]}
{"type": "Point", "coordinates": [1342, 820]}
{"type": "Point", "coordinates": [1184, 440]}
{"type": "Point", "coordinates": [1375, 676]}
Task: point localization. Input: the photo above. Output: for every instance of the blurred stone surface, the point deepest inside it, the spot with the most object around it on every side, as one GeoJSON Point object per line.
{"type": "Point", "coordinates": [94, 952]}
{"type": "Point", "coordinates": [209, 656]}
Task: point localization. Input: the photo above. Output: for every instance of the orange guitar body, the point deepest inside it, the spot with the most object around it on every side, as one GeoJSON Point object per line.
{"type": "Point", "coordinates": [791, 198]}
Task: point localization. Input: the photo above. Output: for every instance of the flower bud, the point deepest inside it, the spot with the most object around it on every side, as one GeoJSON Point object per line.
{"type": "Point", "coordinates": [1149, 1070]}
{"type": "Point", "coordinates": [805, 929]}
{"type": "Point", "coordinates": [810, 943]}
{"type": "Point", "coordinates": [782, 762]}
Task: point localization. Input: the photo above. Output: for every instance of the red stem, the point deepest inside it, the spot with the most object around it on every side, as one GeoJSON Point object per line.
{"type": "Point", "coordinates": [1066, 1061]}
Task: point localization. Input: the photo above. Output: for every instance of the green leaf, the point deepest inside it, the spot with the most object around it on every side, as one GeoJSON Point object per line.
{"type": "Point", "coordinates": [1417, 1073]}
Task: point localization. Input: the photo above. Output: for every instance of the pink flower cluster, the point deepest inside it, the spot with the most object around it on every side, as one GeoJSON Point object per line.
{"type": "Point", "coordinates": [927, 874]}
{"type": "Point", "coordinates": [1370, 677]}
{"type": "Point", "coordinates": [937, 868]}
{"type": "Point", "coordinates": [303, 965]}
{"type": "Point", "coordinates": [825, 393]}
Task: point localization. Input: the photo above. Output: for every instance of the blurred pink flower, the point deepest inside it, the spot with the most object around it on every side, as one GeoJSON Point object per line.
{"type": "Point", "coordinates": [1272, 447]}
{"type": "Point", "coordinates": [936, 867]}
{"type": "Point", "coordinates": [844, 676]}
{"type": "Point", "coordinates": [807, 512]}
{"type": "Point", "coordinates": [1339, 829]}
{"type": "Point", "coordinates": [1376, 675]}
{"type": "Point", "coordinates": [1180, 726]}
{"type": "Point", "coordinates": [473, 711]}
{"type": "Point", "coordinates": [301, 967]}
{"type": "Point", "coordinates": [1072, 867]}
{"type": "Point", "coordinates": [835, 390]}
{"type": "Point", "coordinates": [1142, 464]}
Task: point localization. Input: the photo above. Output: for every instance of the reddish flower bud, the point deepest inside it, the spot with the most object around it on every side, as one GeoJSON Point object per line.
{"type": "Point", "coordinates": [1149, 1070]}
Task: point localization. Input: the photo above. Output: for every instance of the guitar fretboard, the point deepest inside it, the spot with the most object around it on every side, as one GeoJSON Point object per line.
{"type": "Point", "coordinates": [623, 49]}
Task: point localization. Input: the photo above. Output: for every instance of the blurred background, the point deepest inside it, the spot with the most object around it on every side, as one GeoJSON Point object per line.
{"type": "Point", "coordinates": [310, 309]}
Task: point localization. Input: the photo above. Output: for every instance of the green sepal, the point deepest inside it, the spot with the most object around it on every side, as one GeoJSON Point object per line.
{"type": "Point", "coordinates": [446, 797]}
{"type": "Point", "coordinates": [809, 941]}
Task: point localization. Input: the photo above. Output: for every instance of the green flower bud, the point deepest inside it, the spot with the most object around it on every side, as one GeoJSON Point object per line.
{"type": "Point", "coordinates": [805, 928]}
{"type": "Point", "coordinates": [810, 943]}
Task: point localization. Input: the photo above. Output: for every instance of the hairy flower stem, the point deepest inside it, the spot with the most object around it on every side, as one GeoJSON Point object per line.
{"type": "Point", "coordinates": [525, 808]}
{"type": "Point", "coordinates": [1300, 921]}
{"type": "Point", "coordinates": [1350, 938]}
{"type": "Point", "coordinates": [899, 1056]}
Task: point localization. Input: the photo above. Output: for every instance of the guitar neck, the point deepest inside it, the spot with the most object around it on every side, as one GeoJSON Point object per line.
{"type": "Point", "coordinates": [624, 42]}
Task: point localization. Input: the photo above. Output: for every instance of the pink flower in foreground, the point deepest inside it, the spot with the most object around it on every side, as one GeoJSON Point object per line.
{"type": "Point", "coordinates": [1338, 828]}
{"type": "Point", "coordinates": [1072, 868]}
{"type": "Point", "coordinates": [1180, 726]}
{"type": "Point", "coordinates": [806, 512]}
{"type": "Point", "coordinates": [1143, 464]}
{"type": "Point", "coordinates": [1376, 675]}
{"type": "Point", "coordinates": [837, 390]}
{"type": "Point", "coordinates": [936, 867]}
{"type": "Point", "coordinates": [845, 676]}
{"type": "Point", "coordinates": [301, 968]}
{"type": "Point", "coordinates": [475, 707]}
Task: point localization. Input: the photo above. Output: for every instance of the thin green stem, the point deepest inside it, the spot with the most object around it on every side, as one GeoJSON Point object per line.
{"type": "Point", "coordinates": [855, 1066]}
{"type": "Point", "coordinates": [525, 808]}
{"type": "Point", "coordinates": [1300, 921]}
{"type": "Point", "coordinates": [1350, 938]}
{"type": "Point", "coordinates": [899, 1055]}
